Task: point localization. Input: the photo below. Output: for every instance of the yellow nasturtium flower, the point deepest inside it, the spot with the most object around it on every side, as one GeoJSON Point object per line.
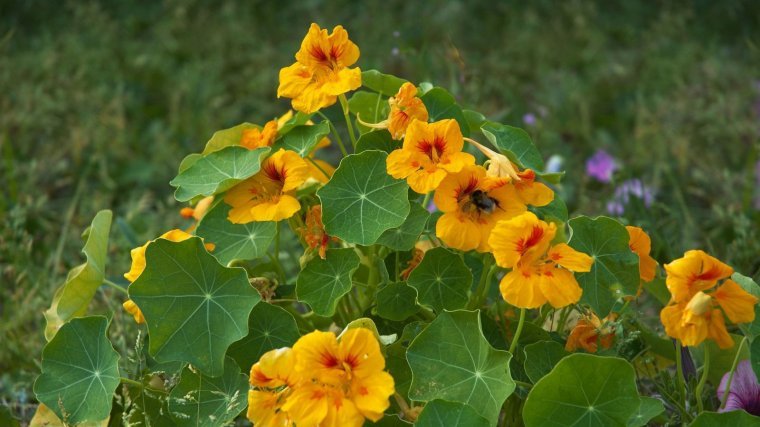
{"type": "Point", "coordinates": [321, 71]}
{"type": "Point", "coordinates": [541, 272]}
{"type": "Point", "coordinates": [138, 266]}
{"type": "Point", "coordinates": [696, 308]}
{"type": "Point", "coordinates": [429, 153]}
{"type": "Point", "coordinates": [321, 381]}
{"type": "Point", "coordinates": [269, 195]}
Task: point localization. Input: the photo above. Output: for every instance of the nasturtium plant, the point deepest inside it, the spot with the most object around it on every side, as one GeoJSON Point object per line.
{"type": "Point", "coordinates": [384, 253]}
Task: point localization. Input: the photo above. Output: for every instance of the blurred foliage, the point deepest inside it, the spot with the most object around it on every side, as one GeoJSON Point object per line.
{"type": "Point", "coordinates": [101, 100]}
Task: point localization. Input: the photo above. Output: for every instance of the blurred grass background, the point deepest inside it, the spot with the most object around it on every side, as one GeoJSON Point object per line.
{"type": "Point", "coordinates": [99, 101]}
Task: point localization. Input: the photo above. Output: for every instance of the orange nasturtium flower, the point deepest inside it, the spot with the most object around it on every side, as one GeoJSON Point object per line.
{"type": "Point", "coordinates": [473, 202]}
{"type": "Point", "coordinates": [269, 195]}
{"type": "Point", "coordinates": [540, 272]}
{"type": "Point", "coordinates": [589, 333]}
{"type": "Point", "coordinates": [405, 107]}
{"type": "Point", "coordinates": [321, 71]}
{"type": "Point", "coordinates": [321, 381]}
{"type": "Point", "coordinates": [314, 232]}
{"type": "Point", "coordinates": [696, 308]}
{"type": "Point", "coordinates": [429, 153]}
{"type": "Point", "coordinates": [138, 266]}
{"type": "Point", "coordinates": [641, 245]}
{"type": "Point", "coordinates": [257, 138]}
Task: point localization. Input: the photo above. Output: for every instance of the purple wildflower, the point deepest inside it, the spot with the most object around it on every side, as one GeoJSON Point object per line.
{"type": "Point", "coordinates": [529, 119]}
{"type": "Point", "coordinates": [623, 194]}
{"type": "Point", "coordinates": [745, 390]}
{"type": "Point", "coordinates": [431, 207]}
{"type": "Point", "coordinates": [601, 166]}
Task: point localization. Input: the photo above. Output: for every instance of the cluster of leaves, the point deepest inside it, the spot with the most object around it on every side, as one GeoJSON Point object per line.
{"type": "Point", "coordinates": [210, 315]}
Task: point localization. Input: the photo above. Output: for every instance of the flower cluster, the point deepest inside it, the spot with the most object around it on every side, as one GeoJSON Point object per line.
{"type": "Point", "coordinates": [322, 380]}
{"type": "Point", "coordinates": [697, 307]}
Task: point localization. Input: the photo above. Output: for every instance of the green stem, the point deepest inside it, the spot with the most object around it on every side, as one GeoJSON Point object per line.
{"type": "Point", "coordinates": [344, 104]}
{"type": "Point", "coordinates": [516, 337]}
{"type": "Point", "coordinates": [679, 374]}
{"type": "Point", "coordinates": [426, 200]}
{"type": "Point", "coordinates": [335, 134]}
{"type": "Point", "coordinates": [563, 319]}
{"type": "Point", "coordinates": [724, 398]}
{"type": "Point", "coordinates": [275, 256]}
{"type": "Point", "coordinates": [523, 384]}
{"type": "Point", "coordinates": [141, 385]}
{"type": "Point", "coordinates": [316, 165]}
{"type": "Point", "coordinates": [703, 379]}
{"type": "Point", "coordinates": [374, 275]}
{"type": "Point", "coordinates": [114, 286]}
{"type": "Point", "coordinates": [485, 275]}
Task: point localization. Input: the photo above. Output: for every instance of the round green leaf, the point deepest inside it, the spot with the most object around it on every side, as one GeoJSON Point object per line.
{"type": "Point", "coordinates": [200, 400]}
{"type": "Point", "coordinates": [302, 139]}
{"type": "Point", "coordinates": [377, 140]}
{"type": "Point", "coordinates": [451, 360]}
{"type": "Point", "coordinates": [442, 280]}
{"type": "Point", "coordinates": [322, 282]}
{"type": "Point", "coordinates": [217, 172]}
{"type": "Point", "coordinates": [726, 419]}
{"type": "Point", "coordinates": [514, 143]}
{"type": "Point", "coordinates": [235, 241]}
{"type": "Point", "coordinates": [269, 327]}
{"type": "Point", "coordinates": [385, 84]}
{"type": "Point", "coordinates": [396, 301]}
{"type": "Point", "coordinates": [443, 413]}
{"type": "Point", "coordinates": [584, 390]}
{"type": "Point", "coordinates": [361, 200]}
{"type": "Point", "coordinates": [649, 408]}
{"type": "Point", "coordinates": [541, 357]}
{"type": "Point", "coordinates": [80, 371]}
{"type": "Point", "coordinates": [226, 137]}
{"type": "Point", "coordinates": [441, 105]}
{"type": "Point", "coordinates": [404, 237]}
{"type": "Point", "coordinates": [615, 272]}
{"type": "Point", "coordinates": [194, 307]}
{"type": "Point", "coordinates": [73, 297]}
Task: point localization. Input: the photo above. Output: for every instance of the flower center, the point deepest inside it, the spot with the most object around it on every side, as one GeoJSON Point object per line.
{"type": "Point", "coordinates": [699, 303]}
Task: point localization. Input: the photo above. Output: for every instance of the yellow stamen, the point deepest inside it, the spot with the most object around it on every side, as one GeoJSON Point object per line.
{"type": "Point", "coordinates": [699, 303]}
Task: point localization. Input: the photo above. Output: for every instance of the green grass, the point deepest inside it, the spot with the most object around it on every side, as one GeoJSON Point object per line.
{"type": "Point", "coordinates": [100, 101]}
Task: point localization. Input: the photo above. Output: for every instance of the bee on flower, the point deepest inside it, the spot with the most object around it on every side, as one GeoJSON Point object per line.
{"type": "Point", "coordinates": [269, 195]}
{"type": "Point", "coordinates": [322, 380]}
{"type": "Point", "coordinates": [541, 272]}
{"type": "Point", "coordinates": [139, 264]}
{"type": "Point", "coordinates": [698, 305]}
{"type": "Point", "coordinates": [473, 202]}
{"type": "Point", "coordinates": [321, 72]}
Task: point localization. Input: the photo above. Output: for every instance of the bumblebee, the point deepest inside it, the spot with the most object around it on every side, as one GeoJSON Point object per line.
{"type": "Point", "coordinates": [484, 203]}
